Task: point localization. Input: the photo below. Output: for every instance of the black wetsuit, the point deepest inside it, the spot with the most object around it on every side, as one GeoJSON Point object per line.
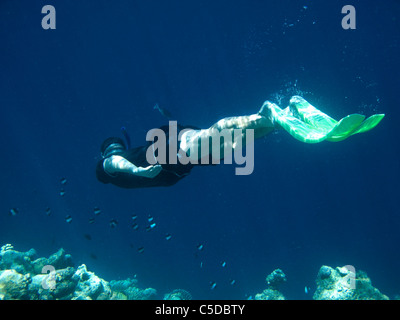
{"type": "Point", "coordinates": [168, 176]}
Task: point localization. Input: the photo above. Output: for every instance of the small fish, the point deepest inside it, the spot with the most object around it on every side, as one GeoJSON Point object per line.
{"type": "Point", "coordinates": [14, 211]}
{"type": "Point", "coordinates": [150, 227]}
{"type": "Point", "coordinates": [213, 285]}
{"type": "Point", "coordinates": [201, 264]}
{"type": "Point", "coordinates": [63, 181]}
{"type": "Point", "coordinates": [48, 211]}
{"type": "Point", "coordinates": [62, 192]}
{"type": "Point", "coordinates": [150, 218]}
{"type": "Point", "coordinates": [140, 250]}
{"type": "Point", "coordinates": [96, 211]}
{"type": "Point", "coordinates": [163, 111]}
{"type": "Point", "coordinates": [200, 247]}
{"type": "Point", "coordinates": [135, 226]}
{"type": "Point", "coordinates": [168, 236]}
{"type": "Point", "coordinates": [134, 217]}
{"type": "Point", "coordinates": [113, 223]}
{"type": "Point", "coordinates": [223, 264]}
{"type": "Point", "coordinates": [91, 220]}
{"type": "Point", "coordinates": [68, 219]}
{"type": "Point", "coordinates": [307, 289]}
{"type": "Point", "coordinates": [93, 256]}
{"type": "Point", "coordinates": [232, 282]}
{"type": "Point", "coordinates": [87, 236]}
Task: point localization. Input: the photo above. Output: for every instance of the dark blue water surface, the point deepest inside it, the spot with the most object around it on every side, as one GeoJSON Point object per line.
{"type": "Point", "coordinates": [107, 63]}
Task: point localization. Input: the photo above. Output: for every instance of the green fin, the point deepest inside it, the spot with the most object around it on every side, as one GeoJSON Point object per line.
{"type": "Point", "coordinates": [300, 130]}
{"type": "Point", "coordinates": [345, 127]}
{"type": "Point", "coordinates": [309, 125]}
{"type": "Point", "coordinates": [352, 128]}
{"type": "Point", "coordinates": [370, 123]}
{"type": "Point", "coordinates": [311, 115]}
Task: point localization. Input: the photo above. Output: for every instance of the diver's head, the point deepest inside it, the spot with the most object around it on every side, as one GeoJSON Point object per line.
{"type": "Point", "coordinates": [112, 146]}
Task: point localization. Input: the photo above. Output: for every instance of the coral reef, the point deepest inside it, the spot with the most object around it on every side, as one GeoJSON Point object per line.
{"type": "Point", "coordinates": [89, 286]}
{"type": "Point", "coordinates": [178, 294]}
{"type": "Point", "coordinates": [24, 277]}
{"type": "Point", "coordinates": [341, 283]}
{"type": "Point", "coordinates": [344, 283]}
{"type": "Point", "coordinates": [128, 290]}
{"type": "Point", "coordinates": [14, 285]}
{"type": "Point", "coordinates": [274, 281]}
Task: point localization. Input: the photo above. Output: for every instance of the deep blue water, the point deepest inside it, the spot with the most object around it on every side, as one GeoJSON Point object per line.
{"type": "Point", "coordinates": [107, 63]}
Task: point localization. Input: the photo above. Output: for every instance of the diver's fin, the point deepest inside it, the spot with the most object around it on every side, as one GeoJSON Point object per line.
{"type": "Point", "coordinates": [345, 127]}
{"type": "Point", "coordinates": [309, 125]}
{"type": "Point", "coordinates": [303, 110]}
{"type": "Point", "coordinates": [298, 129]}
{"type": "Point", "coordinates": [370, 123]}
{"type": "Point", "coordinates": [350, 128]}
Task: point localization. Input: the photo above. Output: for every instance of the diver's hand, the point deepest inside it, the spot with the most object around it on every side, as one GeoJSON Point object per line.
{"type": "Point", "coordinates": [148, 172]}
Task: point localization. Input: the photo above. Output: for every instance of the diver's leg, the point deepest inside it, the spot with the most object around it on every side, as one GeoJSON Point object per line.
{"type": "Point", "coordinates": [232, 130]}
{"type": "Point", "coordinates": [258, 122]}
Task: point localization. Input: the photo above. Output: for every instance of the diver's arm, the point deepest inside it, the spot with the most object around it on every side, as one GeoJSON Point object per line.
{"type": "Point", "coordinates": [115, 164]}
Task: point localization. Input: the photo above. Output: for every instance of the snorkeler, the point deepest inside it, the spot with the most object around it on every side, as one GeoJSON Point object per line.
{"type": "Point", "coordinates": [134, 168]}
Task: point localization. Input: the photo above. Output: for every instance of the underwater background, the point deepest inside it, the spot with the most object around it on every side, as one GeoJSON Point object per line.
{"type": "Point", "coordinates": [63, 91]}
